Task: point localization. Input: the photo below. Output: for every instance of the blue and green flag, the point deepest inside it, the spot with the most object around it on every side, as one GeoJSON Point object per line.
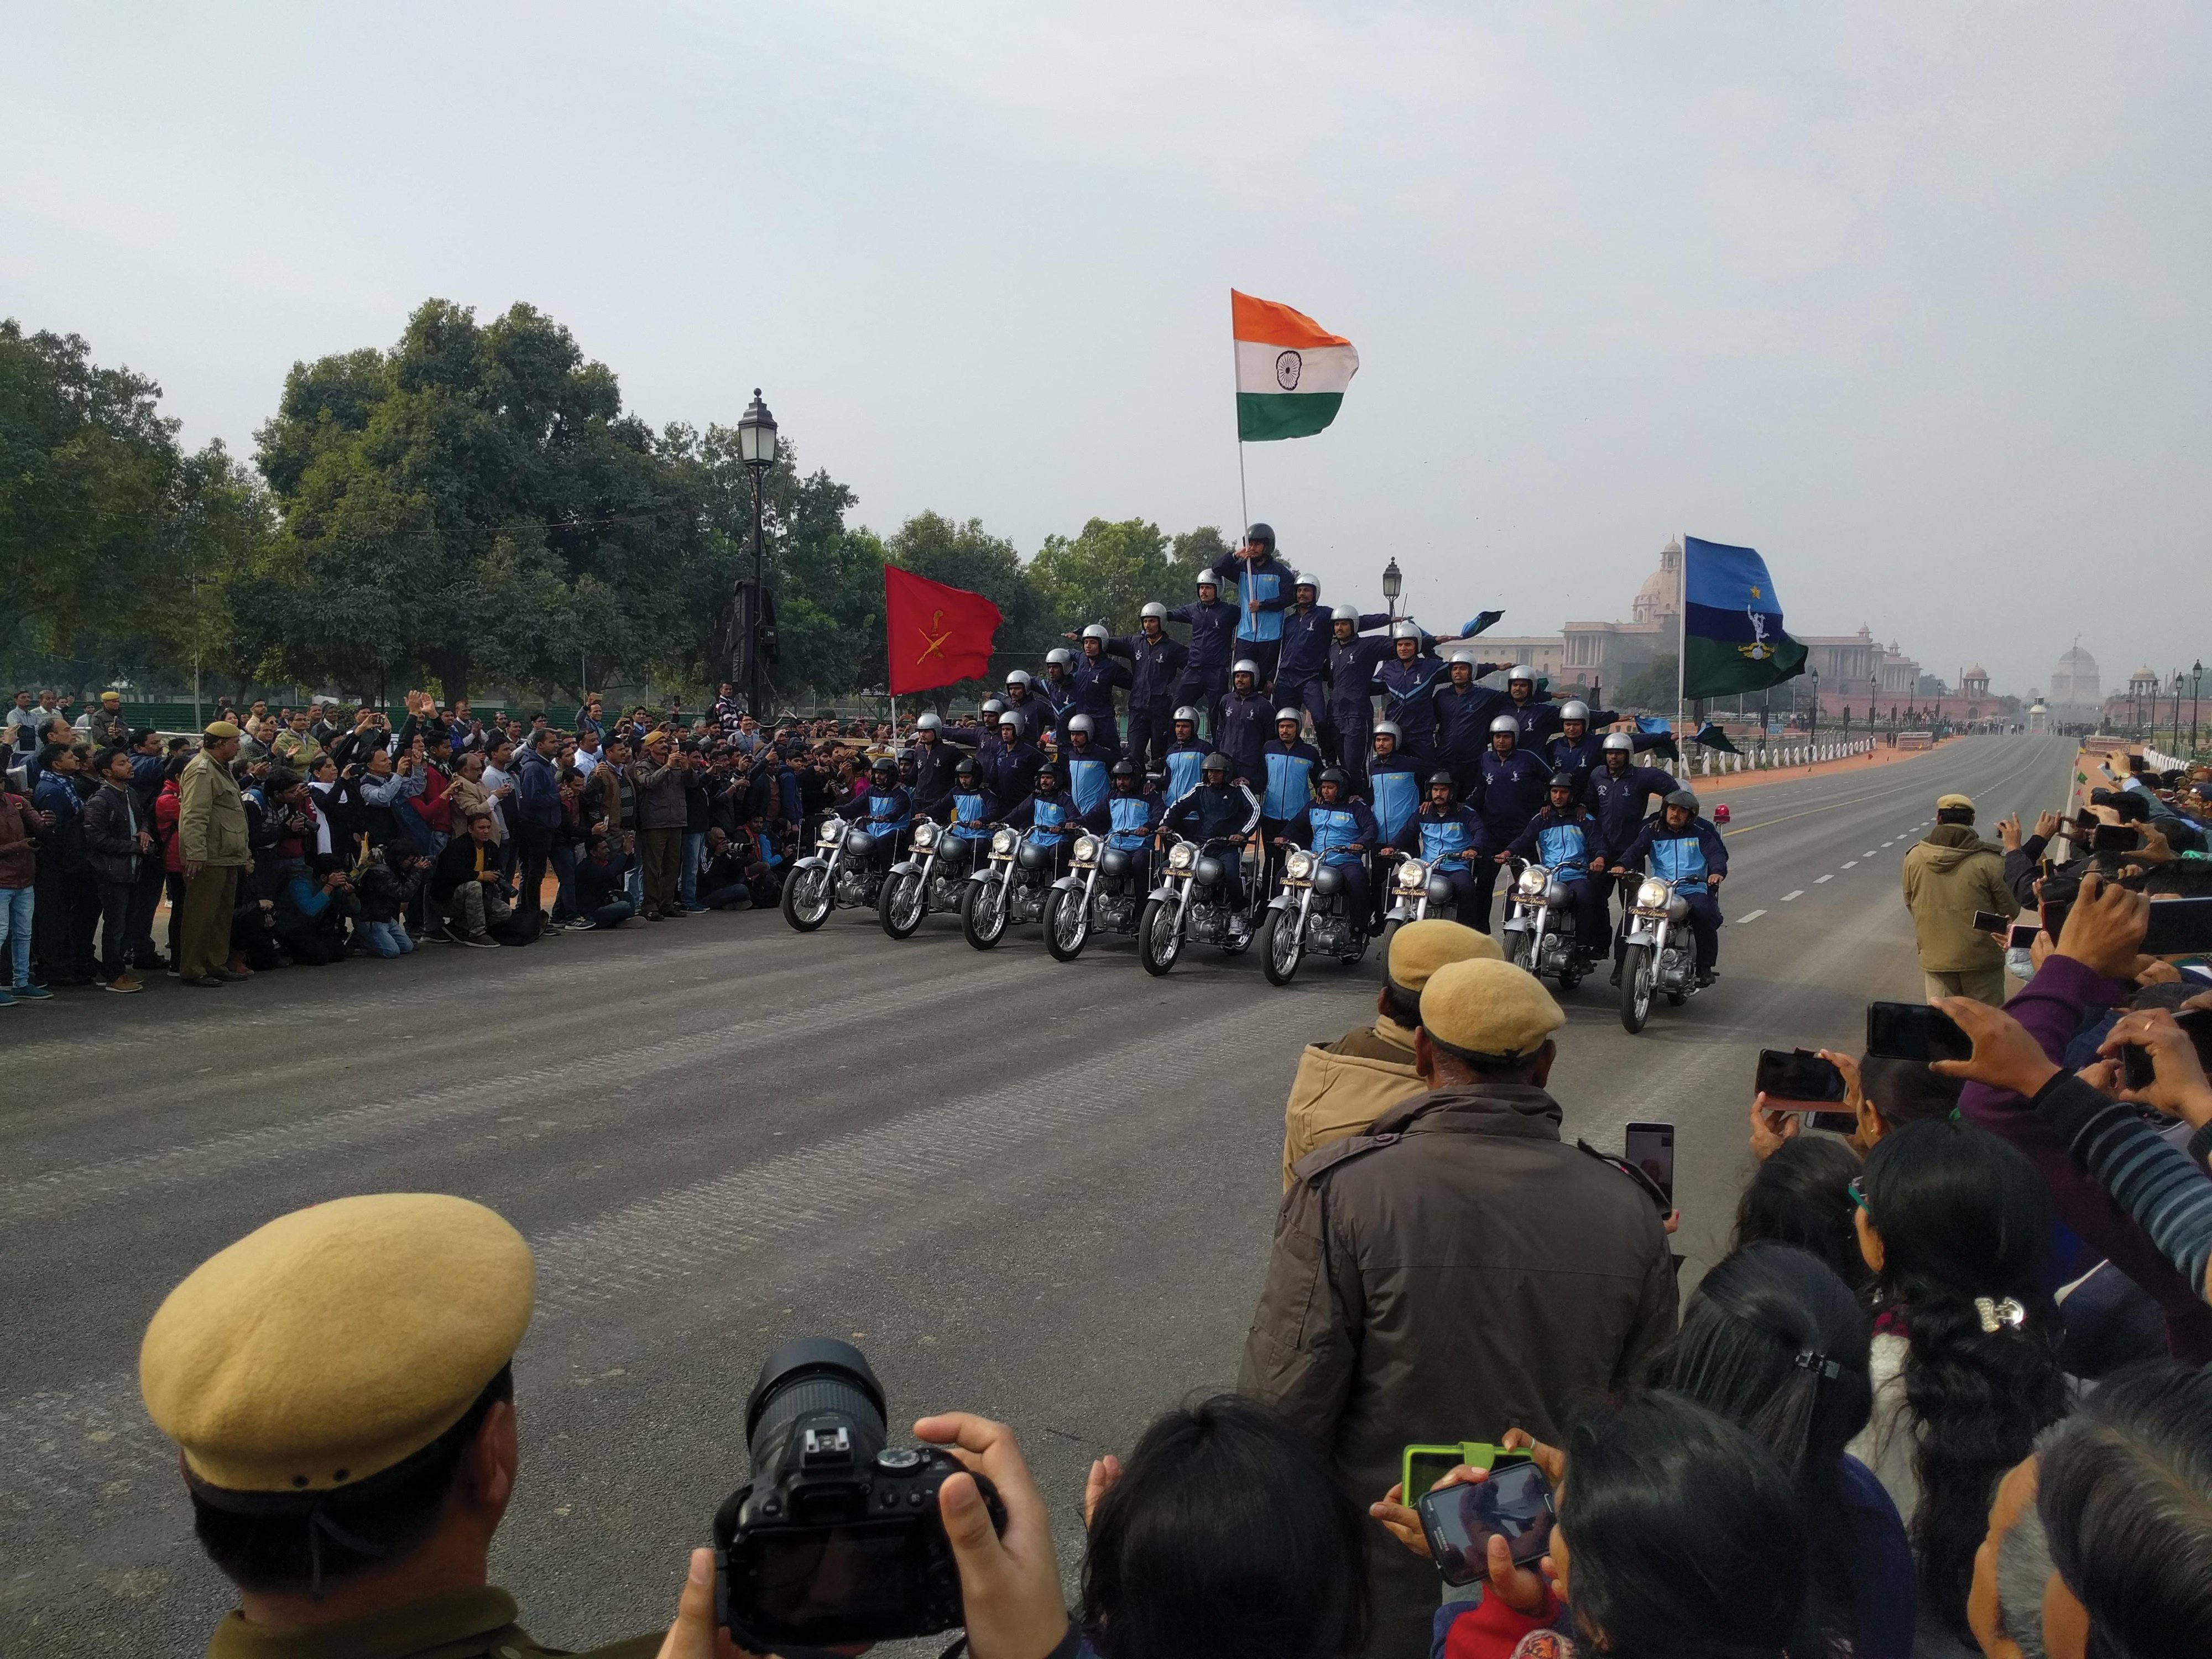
{"type": "Point", "coordinates": [1732, 635]}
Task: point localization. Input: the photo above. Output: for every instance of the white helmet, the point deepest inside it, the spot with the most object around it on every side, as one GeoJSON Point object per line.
{"type": "Point", "coordinates": [1012, 719]}
{"type": "Point", "coordinates": [991, 706]}
{"type": "Point", "coordinates": [1187, 713]}
{"type": "Point", "coordinates": [1081, 723]}
{"type": "Point", "coordinates": [1060, 655]}
{"type": "Point", "coordinates": [1522, 670]}
{"type": "Point", "coordinates": [1505, 723]}
{"type": "Point", "coordinates": [1291, 714]}
{"type": "Point", "coordinates": [929, 723]}
{"type": "Point", "coordinates": [1306, 578]}
{"type": "Point", "coordinates": [1406, 630]}
{"type": "Point", "coordinates": [1575, 709]}
{"type": "Point", "coordinates": [1389, 729]}
{"type": "Point", "coordinates": [1017, 677]}
{"type": "Point", "coordinates": [1153, 608]}
{"type": "Point", "coordinates": [1346, 613]}
{"type": "Point", "coordinates": [1097, 631]}
{"type": "Point", "coordinates": [1207, 578]}
{"type": "Point", "coordinates": [1462, 654]}
{"type": "Point", "coordinates": [1619, 740]}
{"type": "Point", "coordinates": [1245, 666]}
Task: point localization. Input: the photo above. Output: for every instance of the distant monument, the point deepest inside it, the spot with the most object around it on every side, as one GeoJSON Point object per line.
{"type": "Point", "coordinates": [2076, 695]}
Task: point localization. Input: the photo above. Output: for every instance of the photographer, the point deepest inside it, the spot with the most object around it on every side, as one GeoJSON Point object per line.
{"type": "Point", "coordinates": [388, 886]}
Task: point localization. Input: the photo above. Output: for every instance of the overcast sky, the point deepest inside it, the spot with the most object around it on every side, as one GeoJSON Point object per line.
{"type": "Point", "coordinates": [1913, 299]}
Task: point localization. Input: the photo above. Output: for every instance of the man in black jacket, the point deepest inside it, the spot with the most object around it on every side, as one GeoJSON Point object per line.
{"type": "Point", "coordinates": [465, 885]}
{"type": "Point", "coordinates": [117, 841]}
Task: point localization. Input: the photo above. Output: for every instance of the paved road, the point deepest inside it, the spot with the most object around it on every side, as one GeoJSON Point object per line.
{"type": "Point", "coordinates": [1039, 1191]}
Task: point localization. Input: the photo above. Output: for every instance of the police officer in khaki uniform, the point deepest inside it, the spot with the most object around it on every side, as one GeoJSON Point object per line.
{"type": "Point", "coordinates": [339, 1384]}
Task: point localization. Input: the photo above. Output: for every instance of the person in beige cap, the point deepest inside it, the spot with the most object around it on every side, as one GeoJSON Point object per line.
{"type": "Point", "coordinates": [1948, 876]}
{"type": "Point", "coordinates": [1343, 1086]}
{"type": "Point", "coordinates": [107, 728]}
{"type": "Point", "coordinates": [211, 844]}
{"type": "Point", "coordinates": [340, 1385]}
{"type": "Point", "coordinates": [1457, 1270]}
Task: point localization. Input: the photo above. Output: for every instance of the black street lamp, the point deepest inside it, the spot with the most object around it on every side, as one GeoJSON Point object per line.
{"type": "Point", "coordinates": [1812, 724]}
{"type": "Point", "coordinates": [757, 449]}
{"type": "Point", "coordinates": [2195, 684]}
{"type": "Point", "coordinates": [1394, 583]}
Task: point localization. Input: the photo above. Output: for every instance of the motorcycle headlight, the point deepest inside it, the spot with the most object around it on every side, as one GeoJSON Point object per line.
{"type": "Point", "coordinates": [1002, 841]}
{"type": "Point", "coordinates": [1086, 849]}
{"type": "Point", "coordinates": [833, 831]}
{"type": "Point", "coordinates": [1650, 895]}
{"type": "Point", "coordinates": [1299, 866]}
{"type": "Point", "coordinates": [1532, 880]}
{"type": "Point", "coordinates": [925, 836]}
{"type": "Point", "coordinates": [1182, 855]}
{"type": "Point", "coordinates": [1412, 876]}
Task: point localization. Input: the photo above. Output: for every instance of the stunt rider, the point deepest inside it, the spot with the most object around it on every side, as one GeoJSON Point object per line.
{"type": "Point", "coordinates": [1263, 585]}
{"type": "Point", "coordinates": [1681, 846]}
{"type": "Point", "coordinates": [1219, 810]}
{"type": "Point", "coordinates": [970, 812]}
{"type": "Point", "coordinates": [1011, 772]}
{"type": "Point", "coordinates": [1050, 816]}
{"type": "Point", "coordinates": [933, 761]}
{"type": "Point", "coordinates": [1302, 666]}
{"type": "Point", "coordinates": [1157, 664]}
{"type": "Point", "coordinates": [1339, 831]}
{"type": "Point", "coordinates": [1408, 678]}
{"type": "Point", "coordinates": [885, 812]}
{"type": "Point", "coordinates": [1128, 818]}
{"type": "Point", "coordinates": [1351, 663]}
{"type": "Point", "coordinates": [1514, 782]}
{"type": "Point", "coordinates": [1535, 713]}
{"type": "Point", "coordinates": [1291, 765]}
{"type": "Point", "coordinates": [1618, 793]}
{"type": "Point", "coordinates": [1083, 763]}
{"type": "Point", "coordinates": [1563, 838]}
{"type": "Point", "coordinates": [1212, 643]}
{"type": "Point", "coordinates": [1031, 712]}
{"type": "Point", "coordinates": [1091, 684]}
{"type": "Point", "coordinates": [1185, 755]}
{"type": "Point", "coordinates": [1454, 843]}
{"type": "Point", "coordinates": [1246, 719]}
{"type": "Point", "coordinates": [1394, 786]}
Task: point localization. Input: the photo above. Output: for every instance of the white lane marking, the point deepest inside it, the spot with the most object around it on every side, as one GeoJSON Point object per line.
{"type": "Point", "coordinates": [1850, 864]}
{"type": "Point", "coordinates": [1868, 854]}
{"type": "Point", "coordinates": [1753, 916]}
{"type": "Point", "coordinates": [1889, 843]}
{"type": "Point", "coordinates": [1817, 880]}
{"type": "Point", "coordinates": [1795, 893]}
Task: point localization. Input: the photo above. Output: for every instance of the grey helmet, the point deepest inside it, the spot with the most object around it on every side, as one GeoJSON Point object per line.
{"type": "Point", "coordinates": [929, 723]}
{"type": "Point", "coordinates": [1017, 677]}
{"type": "Point", "coordinates": [1619, 740]}
{"type": "Point", "coordinates": [1216, 762]}
{"type": "Point", "coordinates": [1187, 713]}
{"type": "Point", "coordinates": [1461, 654]}
{"type": "Point", "coordinates": [1346, 613]}
{"type": "Point", "coordinates": [1521, 670]}
{"type": "Point", "coordinates": [1060, 655]}
{"type": "Point", "coordinates": [1389, 729]}
{"type": "Point", "coordinates": [1505, 723]}
{"type": "Point", "coordinates": [1097, 631]}
{"type": "Point", "coordinates": [1306, 578]}
{"type": "Point", "coordinates": [1575, 709]}
{"type": "Point", "coordinates": [1123, 768]}
{"type": "Point", "coordinates": [1297, 717]}
{"type": "Point", "coordinates": [1207, 578]}
{"type": "Point", "coordinates": [991, 706]}
{"type": "Point", "coordinates": [1335, 774]}
{"type": "Point", "coordinates": [1408, 629]}
{"type": "Point", "coordinates": [1084, 724]}
{"type": "Point", "coordinates": [1153, 608]}
{"type": "Point", "coordinates": [1682, 798]}
{"type": "Point", "coordinates": [1244, 665]}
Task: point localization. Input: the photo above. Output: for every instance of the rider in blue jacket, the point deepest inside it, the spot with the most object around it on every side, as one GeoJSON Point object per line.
{"type": "Point", "coordinates": [1563, 838]}
{"type": "Point", "coordinates": [1129, 817]}
{"type": "Point", "coordinates": [1263, 590]}
{"type": "Point", "coordinates": [1337, 827]}
{"type": "Point", "coordinates": [1212, 644]}
{"type": "Point", "coordinates": [1511, 784]}
{"type": "Point", "coordinates": [1186, 755]}
{"type": "Point", "coordinates": [1290, 765]}
{"type": "Point", "coordinates": [1083, 762]}
{"type": "Point", "coordinates": [972, 810]}
{"type": "Point", "coordinates": [885, 812]}
{"type": "Point", "coordinates": [1394, 788]}
{"type": "Point", "coordinates": [1456, 848]}
{"type": "Point", "coordinates": [1050, 816]}
{"type": "Point", "coordinates": [1464, 712]}
{"type": "Point", "coordinates": [1680, 847]}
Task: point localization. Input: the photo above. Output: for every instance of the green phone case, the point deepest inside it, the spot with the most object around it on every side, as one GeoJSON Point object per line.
{"type": "Point", "coordinates": [1475, 1454]}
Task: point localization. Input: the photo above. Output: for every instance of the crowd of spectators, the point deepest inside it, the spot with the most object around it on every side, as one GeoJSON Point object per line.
{"type": "Point", "coordinates": [319, 834]}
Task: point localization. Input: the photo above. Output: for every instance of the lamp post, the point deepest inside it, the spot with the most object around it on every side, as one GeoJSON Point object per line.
{"type": "Point", "coordinates": [757, 449]}
{"type": "Point", "coordinates": [2195, 684]}
{"type": "Point", "coordinates": [1813, 722]}
{"type": "Point", "coordinates": [1394, 583]}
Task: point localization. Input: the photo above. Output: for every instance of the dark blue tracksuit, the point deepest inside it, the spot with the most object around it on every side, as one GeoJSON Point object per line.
{"type": "Point", "coordinates": [1090, 691]}
{"type": "Point", "coordinates": [1212, 813]}
{"type": "Point", "coordinates": [1301, 668]}
{"type": "Point", "coordinates": [1156, 669]}
{"type": "Point", "coordinates": [1212, 648]}
{"type": "Point", "coordinates": [1563, 843]}
{"type": "Point", "coordinates": [1409, 699]}
{"type": "Point", "coordinates": [1183, 762]}
{"type": "Point", "coordinates": [1618, 802]}
{"type": "Point", "coordinates": [1013, 772]}
{"type": "Point", "coordinates": [1688, 857]}
{"type": "Point", "coordinates": [1035, 713]}
{"type": "Point", "coordinates": [1453, 843]}
{"type": "Point", "coordinates": [1352, 693]}
{"type": "Point", "coordinates": [932, 774]}
{"type": "Point", "coordinates": [1247, 724]}
{"type": "Point", "coordinates": [1462, 728]}
{"type": "Point", "coordinates": [1332, 831]}
{"type": "Point", "coordinates": [1263, 592]}
{"type": "Point", "coordinates": [1510, 788]}
{"type": "Point", "coordinates": [1058, 696]}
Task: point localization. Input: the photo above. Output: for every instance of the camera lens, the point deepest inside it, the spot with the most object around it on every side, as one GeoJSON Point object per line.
{"type": "Point", "coordinates": [816, 1377]}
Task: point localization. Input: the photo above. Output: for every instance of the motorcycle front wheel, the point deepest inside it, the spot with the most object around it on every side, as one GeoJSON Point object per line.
{"type": "Point", "coordinates": [901, 904]}
{"type": "Point", "coordinates": [1282, 943]}
{"type": "Point", "coordinates": [1159, 942]}
{"type": "Point", "coordinates": [1635, 987]}
{"type": "Point", "coordinates": [1518, 950]}
{"type": "Point", "coordinates": [1066, 925]}
{"type": "Point", "coordinates": [983, 913]}
{"type": "Point", "coordinates": [806, 899]}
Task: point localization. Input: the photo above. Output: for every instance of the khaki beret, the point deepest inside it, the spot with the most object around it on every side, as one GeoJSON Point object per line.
{"type": "Point", "coordinates": [111, 697]}
{"type": "Point", "coordinates": [1492, 1009]}
{"type": "Point", "coordinates": [221, 729]}
{"type": "Point", "coordinates": [1419, 948]}
{"type": "Point", "coordinates": [336, 1341]}
{"type": "Point", "coordinates": [1953, 803]}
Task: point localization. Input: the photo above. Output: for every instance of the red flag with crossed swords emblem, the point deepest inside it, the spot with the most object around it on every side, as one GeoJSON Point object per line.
{"type": "Point", "coordinates": [935, 635]}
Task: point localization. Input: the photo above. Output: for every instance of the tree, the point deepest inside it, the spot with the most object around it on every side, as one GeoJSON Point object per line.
{"type": "Point", "coordinates": [1106, 573]}
{"type": "Point", "coordinates": [965, 555]}
{"type": "Point", "coordinates": [1652, 687]}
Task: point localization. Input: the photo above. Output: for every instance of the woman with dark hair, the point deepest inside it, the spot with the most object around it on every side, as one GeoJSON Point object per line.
{"type": "Point", "coordinates": [1953, 1223]}
{"type": "Point", "coordinates": [1798, 1197]}
{"type": "Point", "coordinates": [1225, 1536]}
{"type": "Point", "coordinates": [1774, 1341]}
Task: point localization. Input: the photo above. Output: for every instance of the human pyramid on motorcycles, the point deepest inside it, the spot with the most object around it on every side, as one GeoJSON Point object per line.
{"type": "Point", "coordinates": [1216, 822]}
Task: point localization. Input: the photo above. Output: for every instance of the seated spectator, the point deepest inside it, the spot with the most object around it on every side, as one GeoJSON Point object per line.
{"type": "Point", "coordinates": [313, 905]}
{"type": "Point", "coordinates": [732, 877]}
{"type": "Point", "coordinates": [1955, 1225]}
{"type": "Point", "coordinates": [601, 893]}
{"type": "Point", "coordinates": [388, 886]}
{"type": "Point", "coordinates": [464, 885]}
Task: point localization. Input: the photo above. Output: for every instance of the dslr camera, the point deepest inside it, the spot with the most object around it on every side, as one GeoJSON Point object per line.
{"type": "Point", "coordinates": [837, 1538]}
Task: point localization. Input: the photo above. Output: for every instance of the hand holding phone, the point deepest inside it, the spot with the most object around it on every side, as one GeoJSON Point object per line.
{"type": "Point", "coordinates": [1906, 1030]}
{"type": "Point", "coordinates": [1651, 1148]}
{"type": "Point", "coordinates": [1988, 921]}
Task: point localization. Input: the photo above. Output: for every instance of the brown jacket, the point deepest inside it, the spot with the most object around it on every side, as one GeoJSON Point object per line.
{"type": "Point", "coordinates": [19, 835]}
{"type": "Point", "coordinates": [1948, 876]}
{"type": "Point", "coordinates": [470, 797]}
{"type": "Point", "coordinates": [1343, 1086]}
{"type": "Point", "coordinates": [211, 815]}
{"type": "Point", "coordinates": [660, 803]}
{"type": "Point", "coordinates": [1456, 1271]}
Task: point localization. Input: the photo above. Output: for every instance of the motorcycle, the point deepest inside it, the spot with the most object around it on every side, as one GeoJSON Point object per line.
{"type": "Point", "coordinates": [1101, 890]}
{"type": "Point", "coordinates": [1660, 955]}
{"type": "Point", "coordinates": [1188, 904]}
{"type": "Point", "coordinates": [1009, 887]}
{"type": "Point", "coordinates": [1310, 913]}
{"type": "Point", "coordinates": [1540, 927]}
{"type": "Point", "coordinates": [929, 881]}
{"type": "Point", "coordinates": [1417, 891]}
{"type": "Point", "coordinates": [837, 874]}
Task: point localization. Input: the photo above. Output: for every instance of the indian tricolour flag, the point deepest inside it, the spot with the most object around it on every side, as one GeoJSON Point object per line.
{"type": "Point", "coordinates": [1291, 371]}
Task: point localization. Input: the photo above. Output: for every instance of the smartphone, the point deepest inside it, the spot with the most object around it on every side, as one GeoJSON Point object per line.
{"type": "Point", "coordinates": [2137, 1069]}
{"type": "Point", "coordinates": [1421, 1467]}
{"type": "Point", "coordinates": [1514, 1503]}
{"type": "Point", "coordinates": [1907, 1030]}
{"type": "Point", "coordinates": [1797, 1074]}
{"type": "Point", "coordinates": [1651, 1148]}
{"type": "Point", "coordinates": [2115, 838]}
{"type": "Point", "coordinates": [1988, 921]}
{"type": "Point", "coordinates": [2177, 927]}
{"type": "Point", "coordinates": [2022, 936]}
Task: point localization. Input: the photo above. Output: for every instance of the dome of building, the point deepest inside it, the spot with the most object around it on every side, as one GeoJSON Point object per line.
{"type": "Point", "coordinates": [1661, 592]}
{"type": "Point", "coordinates": [2144, 674]}
{"type": "Point", "coordinates": [2074, 682]}
{"type": "Point", "coordinates": [1977, 673]}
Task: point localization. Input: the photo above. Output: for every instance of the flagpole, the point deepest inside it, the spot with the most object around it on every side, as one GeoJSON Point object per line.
{"type": "Point", "coordinates": [1244, 497]}
{"type": "Point", "coordinates": [1682, 651]}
